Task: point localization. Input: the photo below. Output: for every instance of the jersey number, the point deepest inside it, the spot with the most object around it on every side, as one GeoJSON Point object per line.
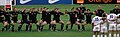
{"type": "Point", "coordinates": [96, 19]}
{"type": "Point", "coordinates": [111, 16]}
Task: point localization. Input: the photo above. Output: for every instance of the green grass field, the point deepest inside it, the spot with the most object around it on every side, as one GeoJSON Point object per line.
{"type": "Point", "coordinates": [46, 33]}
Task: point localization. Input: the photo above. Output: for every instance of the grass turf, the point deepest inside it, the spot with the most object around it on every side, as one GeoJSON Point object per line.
{"type": "Point", "coordinates": [46, 33]}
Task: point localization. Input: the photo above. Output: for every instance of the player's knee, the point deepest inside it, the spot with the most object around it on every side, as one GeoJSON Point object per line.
{"type": "Point", "coordinates": [53, 22]}
{"type": "Point", "coordinates": [5, 23]}
{"type": "Point", "coordinates": [44, 23]}
{"type": "Point", "coordinates": [68, 23]}
{"type": "Point", "coordinates": [61, 22]}
{"type": "Point", "coordinates": [19, 22]}
{"type": "Point", "coordinates": [77, 23]}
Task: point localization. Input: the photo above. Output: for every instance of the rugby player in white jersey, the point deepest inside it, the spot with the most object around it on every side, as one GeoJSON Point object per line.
{"type": "Point", "coordinates": [118, 25]}
{"type": "Point", "coordinates": [103, 27]}
{"type": "Point", "coordinates": [96, 26]}
{"type": "Point", "coordinates": [112, 23]}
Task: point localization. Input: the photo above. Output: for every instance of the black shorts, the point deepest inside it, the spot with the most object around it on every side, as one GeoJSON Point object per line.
{"type": "Point", "coordinates": [8, 21]}
{"type": "Point", "coordinates": [81, 20]}
{"type": "Point", "coordinates": [48, 21]}
{"type": "Point", "coordinates": [57, 21]}
{"type": "Point", "coordinates": [24, 21]}
{"type": "Point", "coordinates": [73, 21]}
{"type": "Point", "coordinates": [88, 21]}
{"type": "Point", "coordinates": [1, 19]}
{"type": "Point", "coordinates": [15, 20]}
{"type": "Point", "coordinates": [33, 21]}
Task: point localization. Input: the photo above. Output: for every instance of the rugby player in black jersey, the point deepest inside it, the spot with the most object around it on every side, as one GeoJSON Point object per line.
{"type": "Point", "coordinates": [116, 10]}
{"type": "Point", "coordinates": [32, 18]}
{"type": "Point", "coordinates": [56, 19]}
{"type": "Point", "coordinates": [46, 18]}
{"type": "Point", "coordinates": [73, 19]}
{"type": "Point", "coordinates": [99, 11]}
{"type": "Point", "coordinates": [80, 18]}
{"type": "Point", "coordinates": [88, 16]}
{"type": "Point", "coordinates": [24, 14]}
{"type": "Point", "coordinates": [14, 19]}
{"type": "Point", "coordinates": [1, 15]}
{"type": "Point", "coordinates": [7, 20]}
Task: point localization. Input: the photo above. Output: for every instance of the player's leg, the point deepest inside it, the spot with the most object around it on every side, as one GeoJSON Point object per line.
{"type": "Point", "coordinates": [96, 29]}
{"type": "Point", "coordinates": [67, 24]}
{"type": "Point", "coordinates": [12, 24]}
{"type": "Point", "coordinates": [4, 26]}
{"type": "Point", "coordinates": [118, 30]}
{"type": "Point", "coordinates": [103, 31]}
{"type": "Point", "coordinates": [115, 30]}
{"type": "Point", "coordinates": [39, 25]}
{"type": "Point", "coordinates": [83, 25]}
{"type": "Point", "coordinates": [111, 28]}
{"type": "Point", "coordinates": [62, 25]}
{"type": "Point", "coordinates": [20, 23]}
{"type": "Point", "coordinates": [53, 23]}
{"type": "Point", "coordinates": [42, 25]}
{"type": "Point", "coordinates": [78, 24]}
{"type": "Point", "coordinates": [27, 25]}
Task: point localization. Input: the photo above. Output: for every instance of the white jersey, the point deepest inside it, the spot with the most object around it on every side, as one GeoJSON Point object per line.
{"type": "Point", "coordinates": [96, 20]}
{"type": "Point", "coordinates": [111, 17]}
{"type": "Point", "coordinates": [104, 23]}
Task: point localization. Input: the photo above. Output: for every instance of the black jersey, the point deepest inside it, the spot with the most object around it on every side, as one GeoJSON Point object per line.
{"type": "Point", "coordinates": [33, 15]}
{"type": "Point", "coordinates": [7, 16]}
{"type": "Point", "coordinates": [73, 15]}
{"type": "Point", "coordinates": [46, 16]}
{"type": "Point", "coordinates": [99, 12]}
{"type": "Point", "coordinates": [83, 9]}
{"type": "Point", "coordinates": [57, 15]}
{"type": "Point", "coordinates": [1, 13]}
{"type": "Point", "coordinates": [80, 15]}
{"type": "Point", "coordinates": [24, 15]}
{"type": "Point", "coordinates": [14, 15]}
{"type": "Point", "coordinates": [88, 16]}
{"type": "Point", "coordinates": [116, 11]}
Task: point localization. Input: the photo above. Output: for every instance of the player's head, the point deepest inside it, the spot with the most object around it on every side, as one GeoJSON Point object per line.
{"type": "Point", "coordinates": [88, 10]}
{"type": "Point", "coordinates": [81, 5]}
{"type": "Point", "coordinates": [24, 10]}
{"type": "Point", "coordinates": [14, 9]}
{"type": "Point", "coordinates": [72, 9]}
{"type": "Point", "coordinates": [111, 11]}
{"type": "Point", "coordinates": [57, 10]}
{"type": "Point", "coordinates": [45, 9]}
{"type": "Point", "coordinates": [116, 6]}
{"type": "Point", "coordinates": [99, 7]}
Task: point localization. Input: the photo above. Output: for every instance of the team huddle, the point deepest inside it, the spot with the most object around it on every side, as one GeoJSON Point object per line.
{"type": "Point", "coordinates": [107, 23]}
{"type": "Point", "coordinates": [76, 16]}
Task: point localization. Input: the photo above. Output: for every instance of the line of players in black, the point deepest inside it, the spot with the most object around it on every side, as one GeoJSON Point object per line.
{"type": "Point", "coordinates": [30, 17]}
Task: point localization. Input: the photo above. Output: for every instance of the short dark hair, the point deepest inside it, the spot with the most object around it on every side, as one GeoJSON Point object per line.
{"type": "Point", "coordinates": [111, 11]}
{"type": "Point", "coordinates": [88, 9]}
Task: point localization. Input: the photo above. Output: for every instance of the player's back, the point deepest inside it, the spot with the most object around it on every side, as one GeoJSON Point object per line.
{"type": "Point", "coordinates": [111, 18]}
{"type": "Point", "coordinates": [96, 20]}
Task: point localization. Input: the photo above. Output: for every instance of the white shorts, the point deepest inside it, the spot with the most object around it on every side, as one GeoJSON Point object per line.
{"type": "Point", "coordinates": [96, 28]}
{"type": "Point", "coordinates": [118, 27]}
{"type": "Point", "coordinates": [112, 26]}
{"type": "Point", "coordinates": [104, 29]}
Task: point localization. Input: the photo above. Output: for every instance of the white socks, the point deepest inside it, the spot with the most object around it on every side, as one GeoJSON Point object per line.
{"type": "Point", "coordinates": [117, 35]}
{"type": "Point", "coordinates": [105, 35]}
{"type": "Point", "coordinates": [98, 35]}
{"type": "Point", "coordinates": [109, 34]}
{"type": "Point", "coordinates": [93, 35]}
{"type": "Point", "coordinates": [101, 35]}
{"type": "Point", "coordinates": [114, 35]}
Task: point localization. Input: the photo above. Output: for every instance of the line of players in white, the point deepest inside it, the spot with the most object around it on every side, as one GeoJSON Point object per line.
{"type": "Point", "coordinates": [109, 24]}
